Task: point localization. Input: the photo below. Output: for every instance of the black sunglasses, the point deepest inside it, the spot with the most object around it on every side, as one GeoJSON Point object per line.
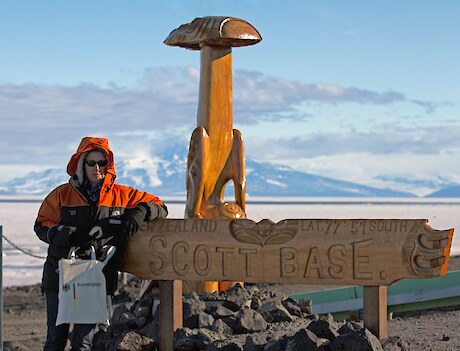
{"type": "Point", "coordinates": [92, 163]}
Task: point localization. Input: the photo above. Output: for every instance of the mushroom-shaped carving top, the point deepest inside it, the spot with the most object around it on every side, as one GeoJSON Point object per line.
{"type": "Point", "coordinates": [214, 31]}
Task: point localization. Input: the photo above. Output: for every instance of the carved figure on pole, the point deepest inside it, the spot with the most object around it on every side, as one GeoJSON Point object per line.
{"type": "Point", "coordinates": [216, 152]}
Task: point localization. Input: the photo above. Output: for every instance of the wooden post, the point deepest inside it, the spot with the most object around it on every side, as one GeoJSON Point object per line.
{"type": "Point", "coordinates": [375, 310]}
{"type": "Point", "coordinates": [170, 312]}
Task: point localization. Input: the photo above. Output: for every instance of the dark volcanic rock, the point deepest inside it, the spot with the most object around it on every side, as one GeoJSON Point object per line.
{"type": "Point", "coordinates": [275, 312]}
{"type": "Point", "coordinates": [218, 311]}
{"type": "Point", "coordinates": [221, 327]}
{"type": "Point", "coordinates": [152, 329]}
{"type": "Point", "coordinates": [137, 323]}
{"type": "Point", "coordinates": [205, 320]}
{"type": "Point", "coordinates": [350, 327]}
{"type": "Point", "coordinates": [395, 343]}
{"type": "Point", "coordinates": [225, 345]}
{"type": "Point", "coordinates": [256, 303]}
{"type": "Point", "coordinates": [249, 321]}
{"type": "Point", "coordinates": [305, 306]}
{"type": "Point", "coordinates": [192, 305]}
{"type": "Point", "coordinates": [132, 341]}
{"type": "Point", "coordinates": [362, 340]}
{"type": "Point", "coordinates": [249, 345]}
{"type": "Point", "coordinates": [291, 306]}
{"type": "Point", "coordinates": [236, 298]}
{"type": "Point", "coordinates": [128, 341]}
{"type": "Point", "coordinates": [191, 322]}
{"type": "Point", "coordinates": [187, 339]}
{"type": "Point", "coordinates": [324, 329]}
{"type": "Point", "coordinates": [303, 340]}
{"type": "Point", "coordinates": [234, 345]}
{"type": "Point", "coordinates": [143, 307]}
{"type": "Point", "coordinates": [121, 315]}
{"type": "Point", "coordinates": [224, 321]}
{"type": "Point", "coordinates": [231, 321]}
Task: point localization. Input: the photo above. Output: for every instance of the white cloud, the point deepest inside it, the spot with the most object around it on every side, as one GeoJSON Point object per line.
{"type": "Point", "coordinates": [254, 85]}
{"type": "Point", "coordinates": [390, 140]}
{"type": "Point", "coordinates": [44, 123]}
{"type": "Point", "coordinates": [167, 97]}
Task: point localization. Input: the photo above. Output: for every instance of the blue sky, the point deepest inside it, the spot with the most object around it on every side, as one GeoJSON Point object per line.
{"type": "Point", "coordinates": [361, 91]}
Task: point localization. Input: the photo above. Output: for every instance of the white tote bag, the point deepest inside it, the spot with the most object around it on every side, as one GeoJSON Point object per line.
{"type": "Point", "coordinates": [82, 291]}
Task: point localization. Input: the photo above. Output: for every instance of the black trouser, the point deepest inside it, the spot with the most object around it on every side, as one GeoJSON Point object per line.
{"type": "Point", "coordinates": [56, 338]}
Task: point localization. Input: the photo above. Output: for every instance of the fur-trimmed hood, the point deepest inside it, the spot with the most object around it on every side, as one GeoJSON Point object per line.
{"type": "Point", "coordinates": [87, 144]}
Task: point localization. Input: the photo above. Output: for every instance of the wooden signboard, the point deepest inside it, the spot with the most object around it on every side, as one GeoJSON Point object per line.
{"type": "Point", "coordinates": [371, 252]}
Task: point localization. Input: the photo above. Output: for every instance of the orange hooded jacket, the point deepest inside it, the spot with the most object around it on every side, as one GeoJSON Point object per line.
{"type": "Point", "coordinates": [68, 207]}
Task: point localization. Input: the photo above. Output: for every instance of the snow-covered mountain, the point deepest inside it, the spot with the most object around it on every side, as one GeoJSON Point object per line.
{"type": "Point", "coordinates": [164, 176]}
{"type": "Point", "coordinates": [451, 191]}
{"type": "Point", "coordinates": [35, 183]}
{"type": "Point", "coordinates": [420, 185]}
{"type": "Point", "coordinates": [265, 179]}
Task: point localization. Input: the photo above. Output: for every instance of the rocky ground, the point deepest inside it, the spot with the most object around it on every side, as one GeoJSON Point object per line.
{"type": "Point", "coordinates": [437, 330]}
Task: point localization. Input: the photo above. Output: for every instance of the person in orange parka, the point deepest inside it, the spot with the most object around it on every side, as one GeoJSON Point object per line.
{"type": "Point", "coordinates": [72, 211]}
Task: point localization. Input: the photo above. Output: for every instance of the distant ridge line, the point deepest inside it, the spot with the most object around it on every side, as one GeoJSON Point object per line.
{"type": "Point", "coordinates": [294, 202]}
{"type": "Point", "coordinates": [359, 202]}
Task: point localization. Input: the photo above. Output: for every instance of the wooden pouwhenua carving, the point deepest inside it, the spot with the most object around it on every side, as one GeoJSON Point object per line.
{"type": "Point", "coordinates": [216, 152]}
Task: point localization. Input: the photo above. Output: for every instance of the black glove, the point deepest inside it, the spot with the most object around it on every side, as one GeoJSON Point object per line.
{"type": "Point", "coordinates": [79, 237]}
{"type": "Point", "coordinates": [65, 236]}
{"type": "Point", "coordinates": [132, 219]}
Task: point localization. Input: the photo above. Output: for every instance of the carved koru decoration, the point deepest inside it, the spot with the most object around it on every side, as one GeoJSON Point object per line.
{"type": "Point", "coordinates": [425, 251]}
{"type": "Point", "coordinates": [265, 232]}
